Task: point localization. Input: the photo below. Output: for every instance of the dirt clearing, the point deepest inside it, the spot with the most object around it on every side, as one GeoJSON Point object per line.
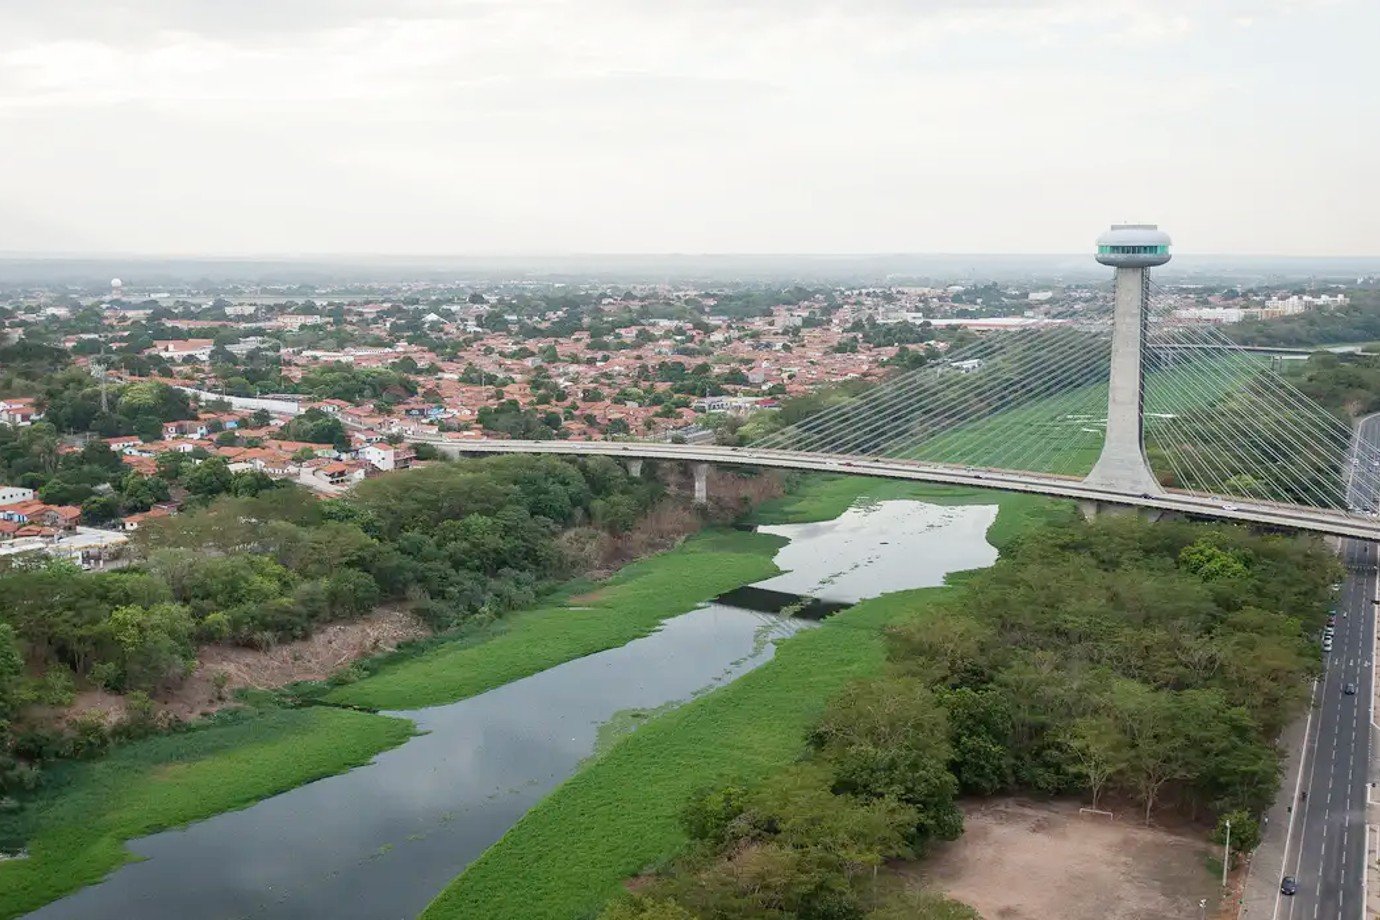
{"type": "Point", "coordinates": [1022, 860]}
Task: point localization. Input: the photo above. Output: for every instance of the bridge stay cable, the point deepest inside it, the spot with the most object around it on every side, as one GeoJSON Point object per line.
{"type": "Point", "coordinates": [1318, 447]}
{"type": "Point", "coordinates": [855, 425]}
{"type": "Point", "coordinates": [1245, 432]}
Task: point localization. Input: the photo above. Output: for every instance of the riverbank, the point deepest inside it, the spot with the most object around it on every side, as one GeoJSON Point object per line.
{"type": "Point", "coordinates": [619, 815]}
{"type": "Point", "coordinates": [76, 829]}
{"type": "Point", "coordinates": [629, 605]}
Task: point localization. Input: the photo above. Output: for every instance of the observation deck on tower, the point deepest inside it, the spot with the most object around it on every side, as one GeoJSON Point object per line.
{"type": "Point", "coordinates": [1133, 246]}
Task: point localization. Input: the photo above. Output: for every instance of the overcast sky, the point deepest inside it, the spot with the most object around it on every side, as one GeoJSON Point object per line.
{"type": "Point", "coordinates": [567, 126]}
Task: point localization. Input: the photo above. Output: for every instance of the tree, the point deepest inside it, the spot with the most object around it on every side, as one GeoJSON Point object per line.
{"type": "Point", "coordinates": [139, 492]}
{"type": "Point", "coordinates": [11, 670]}
{"type": "Point", "coordinates": [1245, 831]}
{"type": "Point", "coordinates": [981, 733]}
{"type": "Point", "coordinates": [890, 737]}
{"type": "Point", "coordinates": [1156, 750]}
{"type": "Point", "coordinates": [1212, 563]}
{"type": "Point", "coordinates": [1099, 751]}
{"type": "Point", "coordinates": [315, 427]}
{"type": "Point", "coordinates": [248, 483]}
{"type": "Point", "coordinates": [350, 593]}
{"type": "Point", "coordinates": [155, 644]}
{"type": "Point", "coordinates": [211, 476]}
{"type": "Point", "coordinates": [99, 509]}
{"type": "Point", "coordinates": [170, 465]}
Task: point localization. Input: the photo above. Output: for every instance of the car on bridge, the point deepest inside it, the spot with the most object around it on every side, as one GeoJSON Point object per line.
{"type": "Point", "coordinates": [1289, 885]}
{"type": "Point", "coordinates": [1349, 689]}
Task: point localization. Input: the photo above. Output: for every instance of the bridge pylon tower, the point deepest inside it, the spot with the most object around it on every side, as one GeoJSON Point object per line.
{"type": "Point", "coordinates": [1122, 466]}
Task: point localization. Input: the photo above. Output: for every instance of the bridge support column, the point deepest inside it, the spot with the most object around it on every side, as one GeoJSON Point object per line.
{"type": "Point", "coordinates": [1122, 467]}
{"type": "Point", "coordinates": [701, 471]}
{"type": "Point", "coordinates": [635, 468]}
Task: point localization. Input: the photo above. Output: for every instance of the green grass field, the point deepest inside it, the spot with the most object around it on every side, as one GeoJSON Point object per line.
{"type": "Point", "coordinates": [618, 815]}
{"type": "Point", "coordinates": [77, 826]}
{"type": "Point", "coordinates": [630, 605]}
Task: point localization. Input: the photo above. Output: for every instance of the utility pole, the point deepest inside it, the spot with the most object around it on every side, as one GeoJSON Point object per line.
{"type": "Point", "coordinates": [1226, 856]}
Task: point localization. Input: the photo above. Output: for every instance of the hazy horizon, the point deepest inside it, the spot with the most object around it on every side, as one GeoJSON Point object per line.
{"type": "Point", "coordinates": [150, 274]}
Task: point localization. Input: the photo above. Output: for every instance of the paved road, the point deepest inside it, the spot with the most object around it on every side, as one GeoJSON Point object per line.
{"type": "Point", "coordinates": [1327, 846]}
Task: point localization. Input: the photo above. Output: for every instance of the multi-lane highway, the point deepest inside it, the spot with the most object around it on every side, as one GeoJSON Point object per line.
{"type": "Point", "coordinates": [1326, 850]}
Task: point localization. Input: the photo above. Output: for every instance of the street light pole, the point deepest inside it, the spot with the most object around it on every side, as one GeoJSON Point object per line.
{"type": "Point", "coordinates": [1226, 855]}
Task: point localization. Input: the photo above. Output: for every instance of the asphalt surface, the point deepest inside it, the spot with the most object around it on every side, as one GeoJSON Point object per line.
{"type": "Point", "coordinates": [1327, 842]}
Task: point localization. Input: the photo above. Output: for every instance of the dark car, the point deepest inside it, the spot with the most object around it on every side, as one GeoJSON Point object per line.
{"type": "Point", "coordinates": [1288, 886]}
{"type": "Point", "coordinates": [1349, 689]}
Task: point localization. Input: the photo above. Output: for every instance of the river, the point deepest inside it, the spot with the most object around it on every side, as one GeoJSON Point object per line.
{"type": "Point", "coordinates": [382, 840]}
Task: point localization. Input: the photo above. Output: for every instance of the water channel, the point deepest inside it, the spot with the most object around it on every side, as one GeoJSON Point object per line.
{"type": "Point", "coordinates": [382, 840]}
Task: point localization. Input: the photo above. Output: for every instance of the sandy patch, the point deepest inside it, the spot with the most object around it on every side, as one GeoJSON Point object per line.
{"type": "Point", "coordinates": [1022, 860]}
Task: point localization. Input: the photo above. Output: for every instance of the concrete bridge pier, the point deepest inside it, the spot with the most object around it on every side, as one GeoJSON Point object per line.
{"type": "Point", "coordinates": [635, 468]}
{"type": "Point", "coordinates": [701, 471]}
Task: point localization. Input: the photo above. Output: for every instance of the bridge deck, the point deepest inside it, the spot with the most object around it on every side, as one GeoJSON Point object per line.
{"type": "Point", "coordinates": [1295, 517]}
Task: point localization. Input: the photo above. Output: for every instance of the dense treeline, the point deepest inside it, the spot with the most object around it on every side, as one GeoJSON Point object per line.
{"type": "Point", "coordinates": [71, 402]}
{"type": "Point", "coordinates": [454, 541]}
{"type": "Point", "coordinates": [1155, 664]}
{"type": "Point", "coordinates": [1347, 384]}
{"type": "Point", "coordinates": [1358, 321]}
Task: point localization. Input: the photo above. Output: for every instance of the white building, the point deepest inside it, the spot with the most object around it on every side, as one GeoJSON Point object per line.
{"type": "Point", "coordinates": [10, 495]}
{"type": "Point", "coordinates": [1210, 314]}
{"type": "Point", "coordinates": [386, 457]}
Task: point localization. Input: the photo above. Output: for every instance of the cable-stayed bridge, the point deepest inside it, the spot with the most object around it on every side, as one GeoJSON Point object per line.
{"type": "Point", "coordinates": [1116, 409]}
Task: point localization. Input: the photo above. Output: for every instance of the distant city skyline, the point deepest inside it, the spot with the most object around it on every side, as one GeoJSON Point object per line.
{"type": "Point", "coordinates": [462, 127]}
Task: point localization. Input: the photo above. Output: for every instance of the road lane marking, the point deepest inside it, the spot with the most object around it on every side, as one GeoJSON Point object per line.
{"type": "Point", "coordinates": [1293, 812]}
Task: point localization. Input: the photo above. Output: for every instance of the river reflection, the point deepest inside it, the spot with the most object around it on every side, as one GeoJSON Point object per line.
{"type": "Point", "coordinates": [382, 840]}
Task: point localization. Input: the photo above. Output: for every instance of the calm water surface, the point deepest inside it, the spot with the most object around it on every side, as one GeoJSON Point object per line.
{"type": "Point", "coordinates": [382, 840]}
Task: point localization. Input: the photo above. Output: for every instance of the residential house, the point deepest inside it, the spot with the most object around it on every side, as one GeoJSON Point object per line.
{"type": "Point", "coordinates": [387, 457]}
{"type": "Point", "coordinates": [19, 412]}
